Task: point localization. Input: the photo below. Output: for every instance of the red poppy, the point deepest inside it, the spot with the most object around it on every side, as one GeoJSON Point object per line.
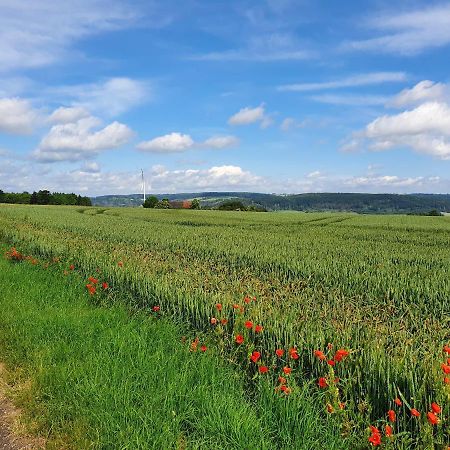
{"type": "Point", "coordinates": [203, 348]}
{"type": "Point", "coordinates": [445, 368]}
{"type": "Point", "coordinates": [156, 308]}
{"type": "Point", "coordinates": [446, 380]}
{"type": "Point", "coordinates": [331, 362]}
{"type": "Point", "coordinates": [341, 405]}
{"type": "Point", "coordinates": [436, 408]}
{"type": "Point", "coordinates": [446, 349]}
{"type": "Point", "coordinates": [255, 356]}
{"type": "Point", "coordinates": [287, 370]}
{"type": "Point", "coordinates": [219, 307]}
{"type": "Point", "coordinates": [398, 402]}
{"type": "Point", "coordinates": [258, 328]}
{"type": "Point", "coordinates": [120, 264]}
{"type": "Point", "coordinates": [282, 380]}
{"type": "Point", "coordinates": [375, 438]}
{"type": "Point", "coordinates": [330, 408]}
{"type": "Point", "coordinates": [71, 267]}
{"type": "Point", "coordinates": [194, 345]}
{"type": "Point", "coordinates": [263, 369]}
{"type": "Point", "coordinates": [239, 339]}
{"type": "Point", "coordinates": [93, 280]}
{"type": "Point", "coordinates": [415, 413]}
{"type": "Point", "coordinates": [293, 353]}
{"type": "Point", "coordinates": [319, 354]}
{"type": "Point", "coordinates": [322, 382]}
{"type": "Point", "coordinates": [341, 354]}
{"type": "Point", "coordinates": [224, 321]}
{"type": "Point", "coordinates": [448, 361]}
{"type": "Point", "coordinates": [248, 324]}
{"type": "Point", "coordinates": [105, 285]}
{"type": "Point", "coordinates": [388, 430]}
{"type": "Point", "coordinates": [285, 389]}
{"type": "Point", "coordinates": [236, 306]}
{"type": "Point", "coordinates": [247, 300]}
{"type": "Point", "coordinates": [391, 415]}
{"type": "Point", "coordinates": [432, 418]}
{"type": "Point", "coordinates": [279, 352]}
{"type": "Point", "coordinates": [213, 321]}
{"type": "Point", "coordinates": [374, 429]}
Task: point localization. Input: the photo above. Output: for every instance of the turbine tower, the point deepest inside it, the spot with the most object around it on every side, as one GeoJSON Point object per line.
{"type": "Point", "coordinates": [143, 184]}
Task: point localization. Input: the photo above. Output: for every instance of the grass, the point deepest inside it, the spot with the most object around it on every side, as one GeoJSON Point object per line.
{"type": "Point", "coordinates": [94, 376]}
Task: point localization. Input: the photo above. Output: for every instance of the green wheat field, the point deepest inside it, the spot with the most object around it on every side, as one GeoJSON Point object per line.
{"type": "Point", "coordinates": [128, 328]}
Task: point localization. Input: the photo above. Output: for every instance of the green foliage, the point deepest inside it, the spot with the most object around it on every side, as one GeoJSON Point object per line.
{"type": "Point", "coordinates": [195, 204]}
{"type": "Point", "coordinates": [150, 202]}
{"type": "Point", "coordinates": [232, 205]}
{"type": "Point", "coordinates": [44, 197]}
{"type": "Point", "coordinates": [163, 204]}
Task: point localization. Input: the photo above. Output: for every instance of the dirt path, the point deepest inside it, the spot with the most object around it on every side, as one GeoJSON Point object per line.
{"type": "Point", "coordinates": [8, 418]}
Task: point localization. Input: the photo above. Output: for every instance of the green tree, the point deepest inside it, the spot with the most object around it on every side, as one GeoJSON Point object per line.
{"type": "Point", "coordinates": [195, 204]}
{"type": "Point", "coordinates": [150, 202]}
{"type": "Point", "coordinates": [163, 204]}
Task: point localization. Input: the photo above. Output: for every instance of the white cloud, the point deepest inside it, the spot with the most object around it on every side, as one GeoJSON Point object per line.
{"type": "Point", "coordinates": [289, 123]}
{"type": "Point", "coordinates": [350, 99]}
{"type": "Point", "coordinates": [424, 91]}
{"type": "Point", "coordinates": [169, 143]}
{"type": "Point", "coordinates": [37, 33]}
{"type": "Point", "coordinates": [221, 142]}
{"type": "Point", "coordinates": [248, 115]}
{"type": "Point", "coordinates": [67, 115]}
{"type": "Point", "coordinates": [17, 116]}
{"type": "Point", "coordinates": [178, 142]}
{"type": "Point", "coordinates": [315, 174]}
{"type": "Point", "coordinates": [408, 33]}
{"type": "Point", "coordinates": [387, 181]}
{"type": "Point", "coordinates": [78, 140]}
{"type": "Point", "coordinates": [111, 97]}
{"type": "Point", "coordinates": [365, 79]}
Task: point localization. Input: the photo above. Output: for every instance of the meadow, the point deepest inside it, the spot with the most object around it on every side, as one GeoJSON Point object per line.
{"type": "Point", "coordinates": [357, 307]}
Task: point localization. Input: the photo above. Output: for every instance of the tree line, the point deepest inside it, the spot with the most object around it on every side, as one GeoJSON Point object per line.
{"type": "Point", "coordinates": [44, 197]}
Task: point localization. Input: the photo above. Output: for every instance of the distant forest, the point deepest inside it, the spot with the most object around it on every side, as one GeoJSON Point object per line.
{"type": "Point", "coordinates": [44, 197]}
{"type": "Point", "coordinates": [354, 202]}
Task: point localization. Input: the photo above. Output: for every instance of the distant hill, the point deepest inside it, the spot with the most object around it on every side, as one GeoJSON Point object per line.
{"type": "Point", "coordinates": [360, 203]}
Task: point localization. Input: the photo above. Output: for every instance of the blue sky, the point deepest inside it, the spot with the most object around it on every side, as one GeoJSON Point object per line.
{"type": "Point", "coordinates": [283, 96]}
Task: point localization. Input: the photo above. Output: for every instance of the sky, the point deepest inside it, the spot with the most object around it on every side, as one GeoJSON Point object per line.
{"type": "Point", "coordinates": [277, 96]}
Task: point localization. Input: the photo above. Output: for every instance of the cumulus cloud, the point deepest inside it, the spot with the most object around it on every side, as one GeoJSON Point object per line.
{"type": "Point", "coordinates": [364, 79]}
{"type": "Point", "coordinates": [407, 33]}
{"type": "Point", "coordinates": [17, 116]}
{"type": "Point", "coordinates": [424, 91]}
{"type": "Point", "coordinates": [80, 140]}
{"type": "Point", "coordinates": [178, 142]}
{"type": "Point", "coordinates": [110, 97]}
{"type": "Point", "coordinates": [350, 99]}
{"type": "Point", "coordinates": [248, 115]}
{"type": "Point", "coordinates": [68, 114]}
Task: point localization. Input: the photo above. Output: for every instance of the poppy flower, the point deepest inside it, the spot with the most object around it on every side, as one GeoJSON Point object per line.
{"type": "Point", "coordinates": [436, 408]}
{"type": "Point", "coordinates": [398, 402]}
{"type": "Point", "coordinates": [432, 418]}
{"type": "Point", "coordinates": [282, 380]}
{"type": "Point", "coordinates": [248, 324]}
{"type": "Point", "coordinates": [213, 321]}
{"type": "Point", "coordinates": [287, 370]}
{"type": "Point", "coordinates": [239, 339]}
{"type": "Point", "coordinates": [322, 382]}
{"type": "Point", "coordinates": [71, 267]}
{"type": "Point", "coordinates": [120, 264]}
{"type": "Point", "coordinates": [341, 405]}
{"type": "Point", "coordinates": [255, 356]}
{"type": "Point", "coordinates": [219, 307]}
{"type": "Point", "coordinates": [446, 349]}
{"type": "Point", "coordinates": [374, 429]}
{"type": "Point", "coordinates": [285, 389]}
{"type": "Point", "coordinates": [319, 354]}
{"type": "Point", "coordinates": [156, 308]}
{"type": "Point", "coordinates": [446, 380]}
{"type": "Point", "coordinates": [331, 362]}
{"type": "Point", "coordinates": [258, 328]}
{"type": "Point", "coordinates": [388, 430]}
{"type": "Point", "coordinates": [448, 361]}
{"type": "Point", "coordinates": [247, 300]}
{"type": "Point", "coordinates": [445, 368]}
{"type": "Point", "coordinates": [93, 280]}
{"type": "Point", "coordinates": [391, 415]}
{"type": "Point", "coordinates": [203, 348]}
{"type": "Point", "coordinates": [293, 353]}
{"type": "Point", "coordinates": [263, 369]}
{"type": "Point", "coordinates": [105, 285]}
{"type": "Point", "coordinates": [329, 345]}
{"type": "Point", "coordinates": [279, 352]}
{"type": "Point", "coordinates": [340, 355]}
{"type": "Point", "coordinates": [224, 321]}
{"type": "Point", "coordinates": [236, 306]}
{"type": "Point", "coordinates": [330, 408]}
{"type": "Point", "coordinates": [375, 438]}
{"type": "Point", "coordinates": [415, 413]}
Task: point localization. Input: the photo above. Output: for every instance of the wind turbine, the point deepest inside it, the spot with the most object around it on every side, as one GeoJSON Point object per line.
{"type": "Point", "coordinates": [143, 184]}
